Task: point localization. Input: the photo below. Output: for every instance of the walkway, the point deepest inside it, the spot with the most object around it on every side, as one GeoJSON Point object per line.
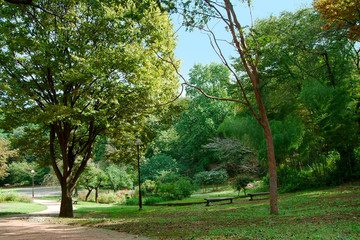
{"type": "Point", "coordinates": [29, 227]}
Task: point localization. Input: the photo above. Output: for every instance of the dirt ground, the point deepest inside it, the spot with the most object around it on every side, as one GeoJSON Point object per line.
{"type": "Point", "coordinates": [29, 227]}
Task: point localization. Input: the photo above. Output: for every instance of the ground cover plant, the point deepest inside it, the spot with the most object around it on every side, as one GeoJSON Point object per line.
{"type": "Point", "coordinates": [331, 213]}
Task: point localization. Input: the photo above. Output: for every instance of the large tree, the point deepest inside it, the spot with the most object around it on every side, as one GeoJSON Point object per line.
{"type": "Point", "coordinates": [81, 69]}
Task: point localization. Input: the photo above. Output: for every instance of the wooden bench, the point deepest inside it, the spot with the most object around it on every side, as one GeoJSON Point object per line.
{"type": "Point", "coordinates": [209, 200]}
{"type": "Point", "coordinates": [251, 195]}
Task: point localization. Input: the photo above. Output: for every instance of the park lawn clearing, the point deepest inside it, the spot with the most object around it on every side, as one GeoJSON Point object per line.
{"type": "Point", "coordinates": [11, 208]}
{"type": "Point", "coordinates": [318, 214]}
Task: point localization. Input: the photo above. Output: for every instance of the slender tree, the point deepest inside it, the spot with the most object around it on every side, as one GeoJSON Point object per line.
{"type": "Point", "coordinates": [197, 14]}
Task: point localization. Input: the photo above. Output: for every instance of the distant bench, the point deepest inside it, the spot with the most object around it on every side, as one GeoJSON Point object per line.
{"type": "Point", "coordinates": [209, 200]}
{"type": "Point", "coordinates": [251, 195]}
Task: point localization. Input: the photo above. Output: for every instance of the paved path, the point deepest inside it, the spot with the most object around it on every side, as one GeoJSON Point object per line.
{"type": "Point", "coordinates": [29, 227]}
{"type": "Point", "coordinates": [53, 207]}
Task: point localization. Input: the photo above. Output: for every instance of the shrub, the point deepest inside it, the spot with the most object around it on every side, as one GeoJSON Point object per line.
{"type": "Point", "coordinates": [175, 190]}
{"type": "Point", "coordinates": [13, 197]}
{"type": "Point", "coordinates": [240, 183]}
{"type": "Point", "coordinates": [153, 200]}
{"type": "Point", "coordinates": [148, 188]}
{"type": "Point", "coordinates": [154, 167]}
{"type": "Point", "coordinates": [132, 201]}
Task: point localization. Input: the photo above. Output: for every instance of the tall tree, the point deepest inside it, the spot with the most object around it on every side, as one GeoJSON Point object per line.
{"type": "Point", "coordinates": [81, 69]}
{"type": "Point", "coordinates": [311, 89]}
{"type": "Point", "coordinates": [197, 14]}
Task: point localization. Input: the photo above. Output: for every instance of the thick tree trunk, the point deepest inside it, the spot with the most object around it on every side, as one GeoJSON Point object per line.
{"type": "Point", "coordinates": [66, 208]}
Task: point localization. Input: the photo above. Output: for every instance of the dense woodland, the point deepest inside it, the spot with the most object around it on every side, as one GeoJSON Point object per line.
{"type": "Point", "coordinates": [310, 88]}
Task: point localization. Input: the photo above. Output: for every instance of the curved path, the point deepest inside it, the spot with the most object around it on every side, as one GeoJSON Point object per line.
{"type": "Point", "coordinates": [29, 227]}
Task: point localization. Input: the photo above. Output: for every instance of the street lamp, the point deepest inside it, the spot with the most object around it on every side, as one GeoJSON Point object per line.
{"type": "Point", "coordinates": [32, 173]}
{"type": "Point", "coordinates": [137, 144]}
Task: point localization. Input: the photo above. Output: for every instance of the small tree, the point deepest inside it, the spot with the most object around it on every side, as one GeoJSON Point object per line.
{"type": "Point", "coordinates": [5, 153]}
{"type": "Point", "coordinates": [93, 178]}
{"type": "Point", "coordinates": [118, 177]}
{"type": "Point", "coordinates": [241, 183]}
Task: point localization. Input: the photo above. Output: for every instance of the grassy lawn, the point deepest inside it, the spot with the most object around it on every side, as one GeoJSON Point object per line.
{"type": "Point", "coordinates": [319, 214]}
{"type": "Point", "coordinates": [10, 208]}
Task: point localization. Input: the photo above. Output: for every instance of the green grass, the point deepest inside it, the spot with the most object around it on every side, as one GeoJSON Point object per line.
{"type": "Point", "coordinates": [10, 208]}
{"type": "Point", "coordinates": [317, 214]}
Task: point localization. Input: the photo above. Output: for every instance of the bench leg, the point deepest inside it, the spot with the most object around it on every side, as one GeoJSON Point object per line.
{"type": "Point", "coordinates": [251, 198]}
{"type": "Point", "coordinates": [230, 200]}
{"type": "Point", "coordinates": [207, 203]}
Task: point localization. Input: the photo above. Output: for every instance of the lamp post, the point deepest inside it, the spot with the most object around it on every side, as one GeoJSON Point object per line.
{"type": "Point", "coordinates": [138, 143]}
{"type": "Point", "coordinates": [32, 173]}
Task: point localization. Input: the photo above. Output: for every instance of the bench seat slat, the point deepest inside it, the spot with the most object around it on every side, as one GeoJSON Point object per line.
{"type": "Point", "coordinates": [209, 200]}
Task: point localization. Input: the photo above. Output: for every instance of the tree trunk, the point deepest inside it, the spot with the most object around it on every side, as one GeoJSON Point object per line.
{"type": "Point", "coordinates": [97, 194]}
{"type": "Point", "coordinates": [88, 194]}
{"type": "Point", "coordinates": [66, 208]}
{"type": "Point", "coordinates": [272, 169]}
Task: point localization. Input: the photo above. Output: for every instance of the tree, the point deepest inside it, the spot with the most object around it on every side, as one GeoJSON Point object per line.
{"type": "Point", "coordinates": [311, 90]}
{"type": "Point", "coordinates": [241, 183]}
{"type": "Point", "coordinates": [92, 179]}
{"type": "Point", "coordinates": [153, 167]}
{"type": "Point", "coordinates": [200, 120]}
{"type": "Point", "coordinates": [118, 177]}
{"type": "Point", "coordinates": [197, 14]}
{"type": "Point", "coordinates": [5, 153]}
{"type": "Point", "coordinates": [78, 70]}
{"type": "Point", "coordinates": [341, 13]}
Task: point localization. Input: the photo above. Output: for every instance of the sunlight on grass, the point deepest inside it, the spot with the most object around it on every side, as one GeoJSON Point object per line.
{"type": "Point", "coordinates": [320, 214]}
{"type": "Point", "coordinates": [11, 208]}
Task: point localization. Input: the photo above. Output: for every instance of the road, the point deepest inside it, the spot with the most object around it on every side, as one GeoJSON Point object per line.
{"type": "Point", "coordinates": [39, 191]}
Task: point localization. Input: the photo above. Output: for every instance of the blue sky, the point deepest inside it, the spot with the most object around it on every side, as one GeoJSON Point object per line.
{"type": "Point", "coordinates": [194, 47]}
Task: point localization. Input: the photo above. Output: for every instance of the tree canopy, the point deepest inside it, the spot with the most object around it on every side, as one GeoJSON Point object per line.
{"type": "Point", "coordinates": [79, 70]}
{"type": "Point", "coordinates": [341, 13]}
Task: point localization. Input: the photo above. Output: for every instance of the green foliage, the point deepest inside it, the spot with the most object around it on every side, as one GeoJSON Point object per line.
{"type": "Point", "coordinates": [240, 183]}
{"type": "Point", "coordinates": [89, 69]}
{"type": "Point", "coordinates": [169, 186]}
{"type": "Point", "coordinates": [20, 173]}
{"type": "Point", "coordinates": [105, 197]}
{"type": "Point", "coordinates": [5, 153]}
{"type": "Point", "coordinates": [199, 121]}
{"type": "Point", "coordinates": [13, 197]}
{"type": "Point", "coordinates": [118, 177]}
{"type": "Point", "coordinates": [148, 187]}
{"type": "Point", "coordinates": [152, 200]}
{"type": "Point", "coordinates": [206, 178]}
{"type": "Point", "coordinates": [153, 167]}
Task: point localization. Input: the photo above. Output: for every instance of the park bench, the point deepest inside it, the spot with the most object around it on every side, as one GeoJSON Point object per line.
{"type": "Point", "coordinates": [251, 195]}
{"type": "Point", "coordinates": [209, 200]}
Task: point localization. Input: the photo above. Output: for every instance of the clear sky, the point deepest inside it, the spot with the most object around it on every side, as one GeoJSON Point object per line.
{"type": "Point", "coordinates": [194, 47]}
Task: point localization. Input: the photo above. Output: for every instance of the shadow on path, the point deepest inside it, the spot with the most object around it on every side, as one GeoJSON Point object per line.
{"type": "Point", "coordinates": [28, 227]}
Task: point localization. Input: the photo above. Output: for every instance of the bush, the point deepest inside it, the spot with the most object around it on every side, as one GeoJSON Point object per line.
{"type": "Point", "coordinates": [132, 201]}
{"type": "Point", "coordinates": [154, 166]}
{"type": "Point", "coordinates": [175, 190]}
{"type": "Point", "coordinates": [153, 200]}
{"type": "Point", "coordinates": [240, 183]}
{"type": "Point", "coordinates": [13, 197]}
{"type": "Point", "coordinates": [148, 188]}
{"type": "Point", "coordinates": [104, 197]}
